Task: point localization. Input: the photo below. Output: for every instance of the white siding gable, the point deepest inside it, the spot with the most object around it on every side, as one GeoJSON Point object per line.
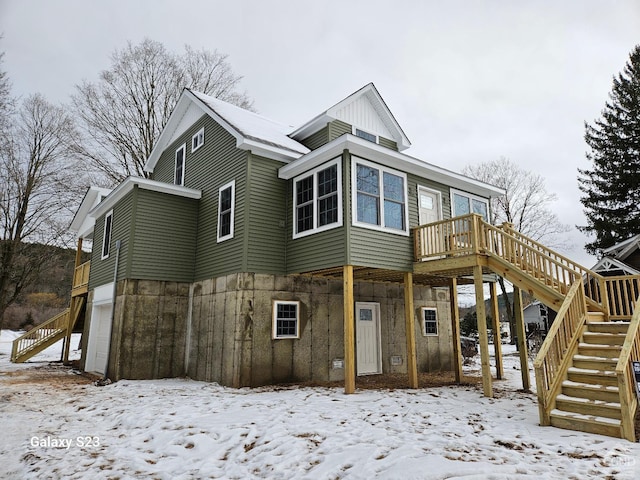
{"type": "Point", "coordinates": [362, 114]}
{"type": "Point", "coordinates": [187, 120]}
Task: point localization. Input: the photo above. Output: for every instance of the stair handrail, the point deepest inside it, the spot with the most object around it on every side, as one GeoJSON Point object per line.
{"type": "Point", "coordinates": [542, 267]}
{"type": "Point", "coordinates": [35, 336]}
{"type": "Point", "coordinates": [624, 372]}
{"type": "Point", "coordinates": [598, 296]}
{"type": "Point", "coordinates": [557, 349]}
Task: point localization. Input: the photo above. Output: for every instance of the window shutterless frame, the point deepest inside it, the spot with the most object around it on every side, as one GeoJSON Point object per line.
{"type": "Point", "coordinates": [286, 319]}
{"type": "Point", "coordinates": [178, 175]}
{"type": "Point", "coordinates": [226, 211]}
{"type": "Point", "coordinates": [317, 205]}
{"type": "Point", "coordinates": [381, 195]}
{"type": "Point", "coordinates": [463, 203]}
{"type": "Point", "coordinates": [429, 318]}
{"type": "Point", "coordinates": [197, 140]}
{"type": "Point", "coordinates": [106, 235]}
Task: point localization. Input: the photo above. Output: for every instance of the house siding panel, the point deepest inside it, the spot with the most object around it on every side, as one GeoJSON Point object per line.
{"type": "Point", "coordinates": [338, 128]}
{"type": "Point", "coordinates": [102, 270]}
{"type": "Point", "coordinates": [165, 237]}
{"type": "Point", "coordinates": [317, 139]}
{"type": "Point", "coordinates": [267, 210]}
{"type": "Point", "coordinates": [385, 142]}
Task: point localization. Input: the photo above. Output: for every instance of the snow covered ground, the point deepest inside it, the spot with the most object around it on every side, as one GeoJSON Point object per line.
{"type": "Point", "coordinates": [57, 424]}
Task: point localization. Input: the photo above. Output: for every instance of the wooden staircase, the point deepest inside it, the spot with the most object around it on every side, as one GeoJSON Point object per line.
{"type": "Point", "coordinates": [60, 326]}
{"type": "Point", "coordinates": [584, 378]}
{"type": "Point", "coordinates": [589, 400]}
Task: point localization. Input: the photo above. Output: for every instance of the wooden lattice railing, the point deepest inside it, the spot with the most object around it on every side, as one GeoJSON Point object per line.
{"type": "Point", "coordinates": [41, 336]}
{"type": "Point", "coordinates": [558, 349]}
{"type": "Point", "coordinates": [624, 372]}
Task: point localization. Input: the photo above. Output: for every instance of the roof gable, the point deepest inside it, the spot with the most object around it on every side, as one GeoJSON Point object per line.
{"type": "Point", "coordinates": [623, 249]}
{"type": "Point", "coordinates": [251, 131]}
{"type": "Point", "coordinates": [82, 223]}
{"type": "Point", "coordinates": [364, 109]}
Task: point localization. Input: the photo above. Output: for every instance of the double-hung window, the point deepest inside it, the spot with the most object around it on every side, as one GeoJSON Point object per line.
{"type": "Point", "coordinates": [317, 196]}
{"type": "Point", "coordinates": [464, 203]}
{"type": "Point", "coordinates": [286, 319]}
{"type": "Point", "coordinates": [106, 236]}
{"type": "Point", "coordinates": [178, 178]}
{"type": "Point", "coordinates": [380, 197]}
{"type": "Point", "coordinates": [226, 207]}
{"type": "Point", "coordinates": [429, 321]}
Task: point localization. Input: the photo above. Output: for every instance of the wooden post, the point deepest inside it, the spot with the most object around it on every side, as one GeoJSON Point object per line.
{"type": "Point", "coordinates": [482, 332]}
{"type": "Point", "coordinates": [349, 332]}
{"type": "Point", "coordinates": [72, 306]}
{"type": "Point", "coordinates": [455, 329]}
{"type": "Point", "coordinates": [522, 338]}
{"type": "Point", "coordinates": [497, 339]}
{"type": "Point", "coordinates": [412, 362]}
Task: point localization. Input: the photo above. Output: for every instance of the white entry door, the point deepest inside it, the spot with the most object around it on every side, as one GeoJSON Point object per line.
{"type": "Point", "coordinates": [428, 206]}
{"type": "Point", "coordinates": [369, 358]}
{"type": "Point", "coordinates": [99, 339]}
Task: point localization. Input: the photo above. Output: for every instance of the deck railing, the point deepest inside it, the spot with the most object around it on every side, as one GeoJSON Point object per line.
{"type": "Point", "coordinates": [622, 292]}
{"type": "Point", "coordinates": [40, 335]}
{"type": "Point", "coordinates": [558, 349]}
{"type": "Point", "coordinates": [452, 237]}
{"type": "Point", "coordinates": [81, 275]}
{"type": "Point", "coordinates": [624, 372]}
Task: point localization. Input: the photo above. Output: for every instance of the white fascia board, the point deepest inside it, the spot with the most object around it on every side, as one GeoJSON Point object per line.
{"type": "Point", "coordinates": [399, 161]}
{"type": "Point", "coordinates": [263, 150]}
{"type": "Point", "coordinates": [80, 224]}
{"type": "Point", "coordinates": [127, 185]}
{"type": "Point", "coordinates": [312, 126]}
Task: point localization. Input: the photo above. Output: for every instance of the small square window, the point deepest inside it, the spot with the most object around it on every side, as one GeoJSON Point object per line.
{"type": "Point", "coordinates": [429, 321]}
{"type": "Point", "coordinates": [286, 319]}
{"type": "Point", "coordinates": [198, 140]}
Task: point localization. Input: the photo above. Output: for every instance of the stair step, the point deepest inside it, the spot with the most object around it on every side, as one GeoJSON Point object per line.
{"type": "Point", "coordinates": [606, 393]}
{"type": "Point", "coordinates": [595, 317]}
{"type": "Point", "coordinates": [586, 406]}
{"type": "Point", "coordinates": [597, 338]}
{"type": "Point", "coordinates": [586, 423]}
{"type": "Point", "coordinates": [588, 362]}
{"type": "Point", "coordinates": [594, 377]}
{"type": "Point", "coordinates": [608, 327]}
{"type": "Point", "coordinates": [604, 351]}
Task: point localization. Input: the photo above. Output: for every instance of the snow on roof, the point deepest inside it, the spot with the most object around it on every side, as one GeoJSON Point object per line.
{"type": "Point", "coordinates": [251, 125]}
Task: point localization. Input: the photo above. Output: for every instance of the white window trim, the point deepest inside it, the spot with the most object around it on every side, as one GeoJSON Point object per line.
{"type": "Point", "coordinates": [274, 330]}
{"type": "Point", "coordinates": [424, 327]}
{"type": "Point", "coordinates": [336, 161]}
{"type": "Point", "coordinates": [471, 197]}
{"type": "Point", "coordinates": [183, 147]}
{"type": "Point", "coordinates": [354, 197]}
{"type": "Point", "coordinates": [106, 243]}
{"type": "Point", "coordinates": [231, 184]}
{"type": "Point", "coordinates": [353, 132]}
{"type": "Point", "coordinates": [199, 133]}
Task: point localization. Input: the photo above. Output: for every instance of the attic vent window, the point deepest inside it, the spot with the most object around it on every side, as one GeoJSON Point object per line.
{"type": "Point", "coordinates": [366, 135]}
{"type": "Point", "coordinates": [198, 140]}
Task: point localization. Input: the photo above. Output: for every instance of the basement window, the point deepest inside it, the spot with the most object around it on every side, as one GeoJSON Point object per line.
{"type": "Point", "coordinates": [198, 140]}
{"type": "Point", "coordinates": [429, 321]}
{"type": "Point", "coordinates": [286, 319]}
{"type": "Point", "coordinates": [106, 237]}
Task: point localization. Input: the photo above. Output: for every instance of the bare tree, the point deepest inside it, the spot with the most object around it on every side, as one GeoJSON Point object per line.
{"type": "Point", "coordinates": [122, 115]}
{"type": "Point", "coordinates": [36, 175]}
{"type": "Point", "coordinates": [525, 204]}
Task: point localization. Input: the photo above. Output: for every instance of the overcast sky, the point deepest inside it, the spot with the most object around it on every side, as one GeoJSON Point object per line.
{"type": "Point", "coordinates": [468, 81]}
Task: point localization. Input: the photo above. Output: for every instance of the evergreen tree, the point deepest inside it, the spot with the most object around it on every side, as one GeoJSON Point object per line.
{"type": "Point", "coordinates": [612, 185]}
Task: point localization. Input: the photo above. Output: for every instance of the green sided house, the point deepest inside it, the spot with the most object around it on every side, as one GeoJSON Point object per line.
{"type": "Point", "coordinates": [258, 253]}
{"type": "Point", "coordinates": [255, 250]}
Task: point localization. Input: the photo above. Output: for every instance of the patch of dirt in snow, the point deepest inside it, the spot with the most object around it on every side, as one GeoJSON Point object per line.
{"type": "Point", "coordinates": [57, 375]}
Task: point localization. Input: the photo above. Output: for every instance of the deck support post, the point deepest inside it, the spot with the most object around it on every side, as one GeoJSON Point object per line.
{"type": "Point", "coordinates": [522, 338]}
{"type": "Point", "coordinates": [455, 329]}
{"type": "Point", "coordinates": [497, 339]}
{"type": "Point", "coordinates": [72, 307]}
{"type": "Point", "coordinates": [412, 362]}
{"type": "Point", "coordinates": [349, 332]}
{"type": "Point", "coordinates": [482, 332]}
